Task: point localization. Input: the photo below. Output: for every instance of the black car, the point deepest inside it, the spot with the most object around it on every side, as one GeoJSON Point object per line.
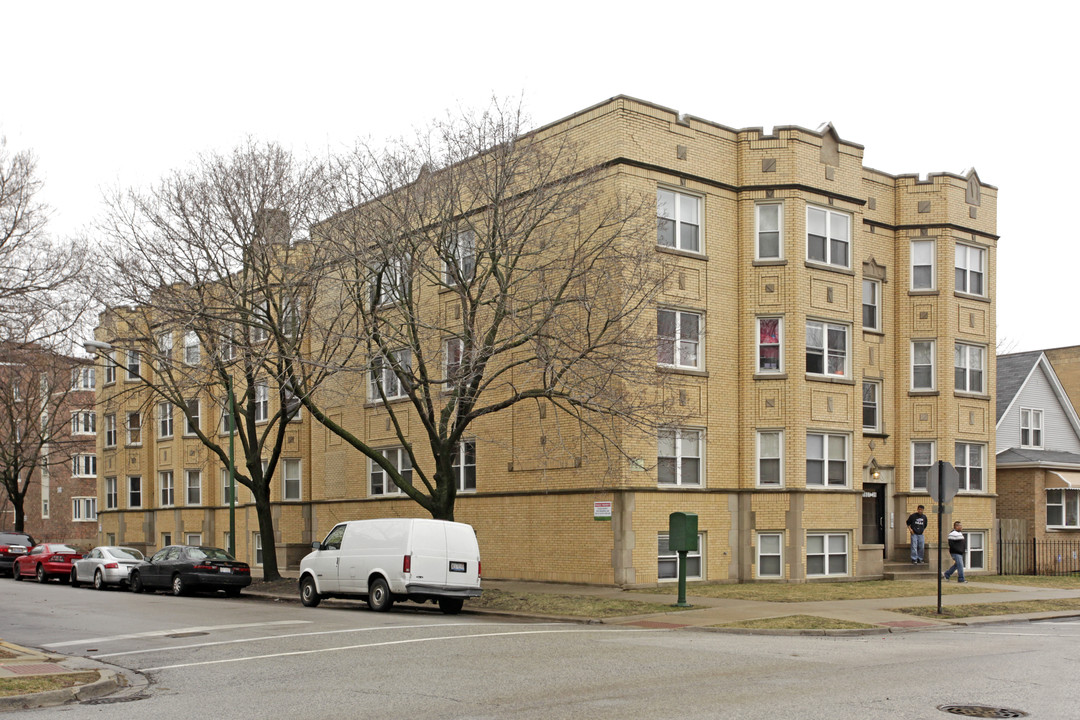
{"type": "Point", "coordinates": [13, 545]}
{"type": "Point", "coordinates": [188, 568]}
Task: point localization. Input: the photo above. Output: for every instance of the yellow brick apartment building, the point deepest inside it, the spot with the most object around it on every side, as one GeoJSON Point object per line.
{"type": "Point", "coordinates": [827, 331]}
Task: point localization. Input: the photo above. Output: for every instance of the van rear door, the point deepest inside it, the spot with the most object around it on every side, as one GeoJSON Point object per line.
{"type": "Point", "coordinates": [429, 552]}
{"type": "Point", "coordinates": [462, 556]}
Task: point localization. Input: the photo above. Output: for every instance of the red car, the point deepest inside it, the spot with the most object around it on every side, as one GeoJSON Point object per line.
{"type": "Point", "coordinates": [45, 561]}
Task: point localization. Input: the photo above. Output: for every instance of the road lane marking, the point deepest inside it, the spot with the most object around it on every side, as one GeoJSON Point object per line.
{"type": "Point", "coordinates": [159, 633]}
{"type": "Point", "coordinates": [390, 642]}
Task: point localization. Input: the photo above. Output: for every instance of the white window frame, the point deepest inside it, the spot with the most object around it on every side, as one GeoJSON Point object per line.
{"type": "Point", "coordinates": [760, 229]}
{"type": "Point", "coordinates": [761, 458]}
{"type": "Point", "coordinates": [134, 489]}
{"type": "Point", "coordinates": [919, 480]}
{"type": "Point", "coordinates": [933, 366]}
{"type": "Point", "coordinates": [680, 346]}
{"type": "Point", "coordinates": [84, 465]}
{"type": "Point", "coordinates": [396, 285]}
{"type": "Point", "coordinates": [460, 260]}
{"type": "Point", "coordinates": [192, 424]}
{"type": "Point", "coordinates": [192, 491]}
{"type": "Point", "coordinates": [292, 474]}
{"type": "Point", "coordinates": [225, 487]}
{"type": "Point", "coordinates": [465, 466]}
{"type": "Point", "coordinates": [111, 497]}
{"type": "Point", "coordinates": [165, 344]}
{"type": "Point", "coordinates": [827, 554]}
{"type": "Point", "coordinates": [963, 356]}
{"type": "Point", "coordinates": [875, 403]}
{"type": "Point", "coordinates": [82, 378]}
{"type": "Point", "coordinates": [779, 554]}
{"type": "Point", "coordinates": [110, 429]}
{"type": "Point", "coordinates": [132, 365]}
{"type": "Point", "coordinates": [827, 461]}
{"type": "Point", "coordinates": [192, 350]}
{"type": "Point", "coordinates": [680, 447]}
{"type": "Point", "coordinates": [165, 420]}
{"type": "Point", "coordinates": [83, 422]}
{"type": "Point", "coordinates": [964, 468]}
{"type": "Point", "coordinates": [970, 564]}
{"type": "Point", "coordinates": [389, 381]}
{"type": "Point", "coordinates": [167, 487]}
{"type": "Point", "coordinates": [917, 285]}
{"type": "Point", "coordinates": [452, 348]}
{"type": "Point", "coordinates": [257, 549]}
{"type": "Point", "coordinates": [401, 461]}
{"type": "Point", "coordinates": [193, 539]}
{"type": "Point", "coordinates": [678, 242]}
{"type": "Point", "coordinates": [874, 305]}
{"type": "Point", "coordinates": [260, 319]}
{"type": "Point", "coordinates": [965, 271]}
{"type": "Point", "coordinates": [262, 402]}
{"type": "Point", "coordinates": [697, 557]}
{"type": "Point", "coordinates": [83, 509]}
{"type": "Point", "coordinates": [134, 432]}
{"type": "Point", "coordinates": [1031, 428]}
{"type": "Point", "coordinates": [830, 217]}
{"type": "Point", "coordinates": [166, 539]}
{"type": "Point", "coordinates": [825, 351]}
{"type": "Point", "coordinates": [779, 345]}
{"type": "Point", "coordinates": [1068, 499]}
{"type": "Point", "coordinates": [110, 367]}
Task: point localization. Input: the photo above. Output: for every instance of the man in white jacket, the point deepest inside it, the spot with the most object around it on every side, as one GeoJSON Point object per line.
{"type": "Point", "coordinates": [957, 548]}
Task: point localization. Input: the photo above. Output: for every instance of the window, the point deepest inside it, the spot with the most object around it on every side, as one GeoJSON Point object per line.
{"type": "Point", "coordinates": [667, 560]}
{"type": "Point", "coordinates": [969, 464]}
{"type": "Point", "coordinates": [826, 349]}
{"type": "Point", "coordinates": [828, 236]}
{"type": "Point", "coordinates": [193, 539]}
{"type": "Point", "coordinates": [260, 317]}
{"type": "Point", "coordinates": [81, 379]}
{"type": "Point", "coordinates": [84, 465]}
{"type": "Point", "coordinates": [678, 457]}
{"type": "Point", "coordinates": [465, 466]}
{"type": "Point", "coordinates": [678, 223]}
{"type": "Point", "coordinates": [770, 452]}
{"type": "Point", "coordinates": [134, 365]}
{"type": "Point", "coordinates": [871, 405]}
{"type": "Point", "coordinates": [975, 557]}
{"type": "Point", "coordinates": [193, 487]}
{"type": "Point", "coordinates": [769, 234]}
{"type": "Point", "coordinates": [770, 558]}
{"type": "Point", "coordinates": [262, 402]}
{"type": "Point", "coordinates": [1031, 428]}
{"type": "Point", "coordinates": [44, 508]}
{"type": "Point", "coordinates": [168, 491]}
{"type": "Point", "coordinates": [970, 269]}
{"type": "Point", "coordinates": [110, 430]}
{"type": "Point", "coordinates": [82, 423]}
{"type": "Point", "coordinates": [290, 317]}
{"type": "Point", "coordinates": [459, 265]}
{"type": "Point", "coordinates": [290, 402]}
{"type": "Point", "coordinates": [110, 493]}
{"type": "Point", "coordinates": [191, 348]}
{"type": "Point", "coordinates": [1063, 508]}
{"type": "Point", "coordinates": [380, 482]}
{"type": "Point", "coordinates": [290, 480]}
{"type": "Point", "coordinates": [384, 377]}
{"type": "Point", "coordinates": [166, 539]}
{"type": "Point", "coordinates": [826, 460]}
{"type": "Point", "coordinates": [390, 285]}
{"type": "Point", "coordinates": [969, 368]}
{"type": "Point", "coordinates": [871, 305]}
{"type": "Point", "coordinates": [134, 491]}
{"type": "Point", "coordinates": [84, 509]}
{"type": "Point", "coordinates": [134, 428]}
{"type": "Point", "coordinates": [922, 264]}
{"type": "Point", "coordinates": [165, 420]}
{"type": "Point", "coordinates": [226, 541]}
{"type": "Point", "coordinates": [191, 420]}
{"type": "Point", "coordinates": [257, 544]}
{"type": "Point", "coordinates": [770, 344]}
{"type": "Point", "coordinates": [679, 334]}
{"type": "Point", "coordinates": [452, 350]}
{"type": "Point", "coordinates": [226, 487]}
{"type": "Point", "coordinates": [226, 418]}
{"type": "Point", "coordinates": [922, 365]}
{"type": "Point", "coordinates": [227, 348]}
{"type": "Point", "coordinates": [110, 367]}
{"type": "Point", "coordinates": [922, 459]}
{"type": "Point", "coordinates": [826, 554]}
{"type": "Point", "coordinates": [164, 344]}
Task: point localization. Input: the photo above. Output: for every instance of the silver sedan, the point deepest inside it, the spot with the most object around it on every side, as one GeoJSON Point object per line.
{"type": "Point", "coordinates": [105, 565]}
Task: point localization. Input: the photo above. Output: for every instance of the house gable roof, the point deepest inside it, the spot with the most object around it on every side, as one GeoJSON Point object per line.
{"type": "Point", "coordinates": [1012, 378]}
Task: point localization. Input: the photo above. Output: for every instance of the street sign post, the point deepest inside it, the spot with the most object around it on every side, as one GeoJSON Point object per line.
{"type": "Point", "coordinates": [943, 482]}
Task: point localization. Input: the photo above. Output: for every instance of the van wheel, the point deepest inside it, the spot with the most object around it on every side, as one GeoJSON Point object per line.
{"type": "Point", "coordinates": [451, 606]}
{"type": "Point", "coordinates": [379, 598]}
{"type": "Point", "coordinates": [309, 594]}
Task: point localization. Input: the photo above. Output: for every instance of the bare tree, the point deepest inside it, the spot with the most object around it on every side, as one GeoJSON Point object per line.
{"type": "Point", "coordinates": [472, 270]}
{"type": "Point", "coordinates": [206, 259]}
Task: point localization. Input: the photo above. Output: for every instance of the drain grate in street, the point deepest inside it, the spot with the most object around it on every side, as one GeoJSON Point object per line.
{"type": "Point", "coordinates": [981, 711]}
{"type": "Point", "coordinates": [184, 635]}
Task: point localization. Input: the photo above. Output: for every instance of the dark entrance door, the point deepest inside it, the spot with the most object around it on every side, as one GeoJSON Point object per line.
{"type": "Point", "coordinates": [873, 514]}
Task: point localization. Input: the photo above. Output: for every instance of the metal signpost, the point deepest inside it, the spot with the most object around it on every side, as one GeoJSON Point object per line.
{"type": "Point", "coordinates": [943, 482]}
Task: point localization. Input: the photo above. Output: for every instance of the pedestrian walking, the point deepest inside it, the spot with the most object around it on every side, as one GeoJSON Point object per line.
{"type": "Point", "coordinates": [957, 548]}
{"type": "Point", "coordinates": [916, 524]}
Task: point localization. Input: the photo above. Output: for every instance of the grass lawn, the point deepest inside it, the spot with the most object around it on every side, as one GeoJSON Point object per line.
{"type": "Point", "coordinates": [815, 592]}
{"type": "Point", "coordinates": [986, 609]}
{"type": "Point", "coordinates": [567, 605]}
{"type": "Point", "coordinates": [797, 622]}
{"type": "Point", "coordinates": [1060, 582]}
{"type": "Point", "coordinates": [42, 683]}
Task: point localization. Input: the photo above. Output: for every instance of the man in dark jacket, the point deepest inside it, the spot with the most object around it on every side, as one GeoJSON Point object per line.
{"type": "Point", "coordinates": [916, 524]}
{"type": "Point", "coordinates": [957, 548]}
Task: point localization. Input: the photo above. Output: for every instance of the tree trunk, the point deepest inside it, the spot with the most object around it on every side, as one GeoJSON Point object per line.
{"type": "Point", "coordinates": [266, 533]}
{"type": "Point", "coordinates": [20, 513]}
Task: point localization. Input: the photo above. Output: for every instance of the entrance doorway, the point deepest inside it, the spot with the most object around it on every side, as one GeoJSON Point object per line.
{"type": "Point", "coordinates": [873, 514]}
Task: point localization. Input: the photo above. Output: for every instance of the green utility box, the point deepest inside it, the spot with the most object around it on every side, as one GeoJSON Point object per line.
{"type": "Point", "coordinates": [682, 532]}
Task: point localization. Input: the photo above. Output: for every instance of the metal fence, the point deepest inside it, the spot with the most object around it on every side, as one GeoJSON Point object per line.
{"type": "Point", "coordinates": [1038, 557]}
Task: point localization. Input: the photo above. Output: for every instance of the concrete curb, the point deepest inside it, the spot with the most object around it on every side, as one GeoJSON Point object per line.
{"type": "Point", "coordinates": [108, 682]}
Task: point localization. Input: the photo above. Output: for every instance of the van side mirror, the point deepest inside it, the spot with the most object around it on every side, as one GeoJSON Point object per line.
{"type": "Point", "coordinates": [316, 545]}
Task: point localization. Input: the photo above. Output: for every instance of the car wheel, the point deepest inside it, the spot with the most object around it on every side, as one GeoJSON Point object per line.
{"type": "Point", "coordinates": [41, 576]}
{"type": "Point", "coordinates": [451, 606]}
{"type": "Point", "coordinates": [309, 594]}
{"type": "Point", "coordinates": [136, 583]}
{"type": "Point", "coordinates": [99, 580]}
{"type": "Point", "coordinates": [74, 578]}
{"type": "Point", "coordinates": [379, 598]}
{"type": "Point", "coordinates": [179, 587]}
{"type": "Point", "coordinates": [16, 573]}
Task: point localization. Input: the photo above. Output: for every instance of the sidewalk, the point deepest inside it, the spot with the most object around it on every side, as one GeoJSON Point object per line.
{"type": "Point", "coordinates": [20, 662]}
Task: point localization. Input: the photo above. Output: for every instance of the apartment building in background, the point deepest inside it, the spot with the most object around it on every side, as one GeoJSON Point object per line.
{"type": "Point", "coordinates": [827, 332]}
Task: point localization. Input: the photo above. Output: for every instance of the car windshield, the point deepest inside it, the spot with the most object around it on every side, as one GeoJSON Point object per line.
{"type": "Point", "coordinates": [16, 539]}
{"type": "Point", "coordinates": [125, 553]}
{"type": "Point", "coordinates": [208, 553]}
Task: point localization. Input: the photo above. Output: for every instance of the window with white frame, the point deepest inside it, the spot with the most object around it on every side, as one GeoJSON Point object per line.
{"type": "Point", "coordinates": [227, 348]}
{"type": "Point", "coordinates": [191, 419]}
{"type": "Point", "coordinates": [262, 402]}
{"type": "Point", "coordinates": [379, 482]}
{"type": "Point", "coordinates": [770, 454]}
{"type": "Point", "coordinates": [678, 457]}
{"type": "Point", "coordinates": [922, 459]}
{"type": "Point", "coordinates": [110, 367]}
{"type": "Point", "coordinates": [165, 420]}
{"type": "Point", "coordinates": [134, 365]}
{"type": "Point", "coordinates": [1031, 428]}
{"type": "Point", "coordinates": [1063, 508]}
{"type": "Point", "coordinates": [256, 542]}
{"type": "Point", "coordinates": [110, 430]}
{"type": "Point", "coordinates": [975, 556]}
{"type": "Point", "coordinates": [770, 223]}
{"type": "Point", "coordinates": [922, 264]}
{"type": "Point", "coordinates": [667, 560]}
{"type": "Point", "coordinates": [390, 285]}
{"type": "Point", "coordinates": [826, 349]}
{"type": "Point", "coordinates": [826, 460]}
{"type": "Point", "coordinates": [193, 487]}
{"type": "Point", "coordinates": [871, 304]}
{"type": "Point", "coordinates": [82, 378]}
{"type": "Point", "coordinates": [678, 220]}
{"type": "Point", "coordinates": [922, 364]}
{"type": "Point", "coordinates": [459, 265]}
{"type": "Point", "coordinates": [770, 356]}
{"type": "Point", "coordinates": [970, 362]}
{"type": "Point", "coordinates": [383, 375]}
{"type": "Point", "coordinates": [134, 428]}
{"type": "Point", "coordinates": [84, 509]}
{"type": "Point", "coordinates": [82, 422]}
{"type": "Point", "coordinates": [770, 555]}
{"type": "Point", "coordinates": [452, 350]}
{"type": "Point", "coordinates": [165, 344]}
{"type": "Point", "coordinates": [167, 488]}
{"type": "Point", "coordinates": [166, 539]}
{"type": "Point", "coordinates": [970, 269]}
{"type": "Point", "coordinates": [45, 507]}
{"type": "Point", "coordinates": [134, 491]}
{"type": "Point", "coordinates": [826, 554]}
{"type": "Point", "coordinates": [871, 405]}
{"type": "Point", "coordinates": [193, 539]}
{"type": "Point", "coordinates": [679, 338]}
{"type": "Point", "coordinates": [192, 353]}
{"type": "Point", "coordinates": [828, 237]}
{"type": "Point", "coordinates": [465, 466]}
{"type": "Point", "coordinates": [84, 465]}
{"type": "Point", "coordinates": [227, 424]}
{"type": "Point", "coordinates": [110, 493]}
{"type": "Point", "coordinates": [226, 487]}
{"type": "Point", "coordinates": [290, 317]}
{"type": "Point", "coordinates": [260, 321]}
{"type": "Point", "coordinates": [969, 464]}
{"type": "Point", "coordinates": [290, 479]}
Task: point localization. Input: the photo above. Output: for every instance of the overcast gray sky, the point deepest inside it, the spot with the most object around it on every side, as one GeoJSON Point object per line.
{"type": "Point", "coordinates": [120, 93]}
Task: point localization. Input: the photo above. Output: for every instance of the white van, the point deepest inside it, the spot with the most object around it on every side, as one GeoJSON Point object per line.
{"type": "Point", "coordinates": [394, 559]}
